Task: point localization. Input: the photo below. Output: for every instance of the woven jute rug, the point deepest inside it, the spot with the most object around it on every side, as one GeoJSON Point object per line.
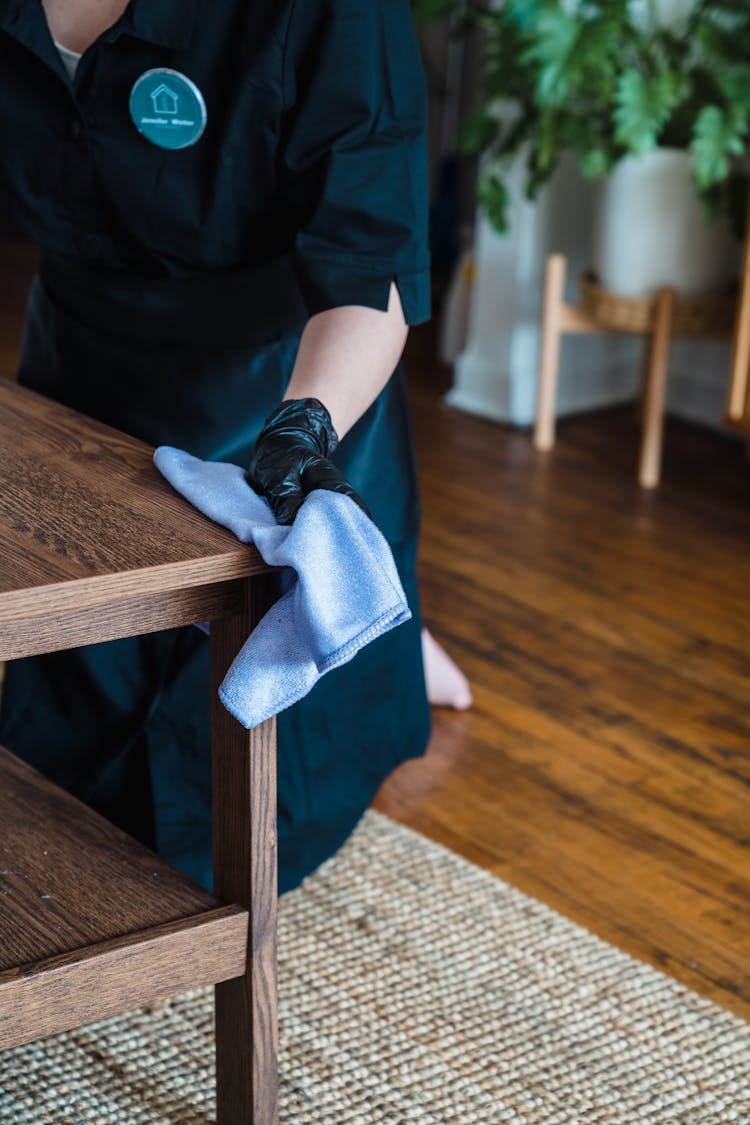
{"type": "Point", "coordinates": [417, 988]}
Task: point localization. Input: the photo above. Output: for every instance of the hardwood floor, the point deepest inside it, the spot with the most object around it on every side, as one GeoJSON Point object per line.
{"type": "Point", "coordinates": [605, 767]}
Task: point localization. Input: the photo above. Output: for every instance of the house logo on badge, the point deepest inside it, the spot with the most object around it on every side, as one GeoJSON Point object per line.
{"type": "Point", "coordinates": [165, 101]}
{"type": "Point", "coordinates": [167, 108]}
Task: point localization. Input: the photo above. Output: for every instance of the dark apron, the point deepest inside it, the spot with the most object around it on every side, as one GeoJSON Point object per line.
{"type": "Point", "coordinates": [125, 725]}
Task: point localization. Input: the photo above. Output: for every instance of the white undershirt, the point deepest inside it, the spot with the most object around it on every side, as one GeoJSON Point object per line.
{"type": "Point", "coordinates": [70, 59]}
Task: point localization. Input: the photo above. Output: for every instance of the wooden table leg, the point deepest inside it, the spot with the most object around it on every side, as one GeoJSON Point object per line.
{"type": "Point", "coordinates": [549, 359]}
{"type": "Point", "coordinates": [245, 872]}
{"type": "Point", "coordinates": [649, 471]}
{"type": "Point", "coordinates": [739, 382]}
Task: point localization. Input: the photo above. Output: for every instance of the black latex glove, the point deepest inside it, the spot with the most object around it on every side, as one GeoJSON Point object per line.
{"type": "Point", "coordinates": [292, 457]}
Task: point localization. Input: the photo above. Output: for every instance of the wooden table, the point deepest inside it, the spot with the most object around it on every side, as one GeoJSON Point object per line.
{"type": "Point", "coordinates": [95, 545]}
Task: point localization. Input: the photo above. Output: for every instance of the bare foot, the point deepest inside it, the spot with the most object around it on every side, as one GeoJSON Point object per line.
{"type": "Point", "coordinates": [447, 686]}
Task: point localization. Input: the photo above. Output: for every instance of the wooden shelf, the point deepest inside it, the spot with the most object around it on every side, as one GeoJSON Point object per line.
{"type": "Point", "coordinates": [79, 899]}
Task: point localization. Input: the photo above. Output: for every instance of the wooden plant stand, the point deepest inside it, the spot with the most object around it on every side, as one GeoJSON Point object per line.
{"type": "Point", "coordinates": [738, 399]}
{"type": "Point", "coordinates": [94, 546]}
{"type": "Point", "coordinates": [659, 318]}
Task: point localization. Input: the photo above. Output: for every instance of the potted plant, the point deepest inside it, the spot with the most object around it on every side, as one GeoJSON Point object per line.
{"type": "Point", "coordinates": [654, 95]}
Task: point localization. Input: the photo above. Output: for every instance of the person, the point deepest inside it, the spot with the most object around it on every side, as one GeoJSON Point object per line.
{"type": "Point", "coordinates": [230, 203]}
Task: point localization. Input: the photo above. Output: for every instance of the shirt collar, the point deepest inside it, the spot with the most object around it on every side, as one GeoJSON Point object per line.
{"type": "Point", "coordinates": [26, 23]}
{"type": "Point", "coordinates": [168, 23]}
{"type": "Point", "coordinates": [15, 17]}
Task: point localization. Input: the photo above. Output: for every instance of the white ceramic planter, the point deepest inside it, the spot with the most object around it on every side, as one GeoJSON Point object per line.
{"type": "Point", "coordinates": [652, 230]}
{"type": "Point", "coordinates": [667, 13]}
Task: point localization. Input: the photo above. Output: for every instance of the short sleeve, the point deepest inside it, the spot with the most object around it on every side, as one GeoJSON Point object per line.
{"type": "Point", "coordinates": [353, 155]}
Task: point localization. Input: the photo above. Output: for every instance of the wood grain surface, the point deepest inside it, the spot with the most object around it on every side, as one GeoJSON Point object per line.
{"type": "Point", "coordinates": [120, 975]}
{"type": "Point", "coordinates": [245, 871]}
{"type": "Point", "coordinates": [51, 632]}
{"type": "Point", "coordinates": [605, 767]}
{"type": "Point", "coordinates": [91, 922]}
{"type": "Point", "coordinates": [86, 519]}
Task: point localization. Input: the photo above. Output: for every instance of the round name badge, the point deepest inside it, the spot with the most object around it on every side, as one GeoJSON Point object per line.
{"type": "Point", "coordinates": [168, 109]}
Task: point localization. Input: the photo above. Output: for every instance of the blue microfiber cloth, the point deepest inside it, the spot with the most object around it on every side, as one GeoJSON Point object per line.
{"type": "Point", "coordinates": [343, 589]}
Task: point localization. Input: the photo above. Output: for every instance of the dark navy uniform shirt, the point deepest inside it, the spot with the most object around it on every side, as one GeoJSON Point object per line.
{"type": "Point", "coordinates": [315, 145]}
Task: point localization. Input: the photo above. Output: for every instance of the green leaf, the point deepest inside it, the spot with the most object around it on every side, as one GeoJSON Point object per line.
{"type": "Point", "coordinates": [595, 163]}
{"type": "Point", "coordinates": [551, 49]}
{"type": "Point", "coordinates": [549, 142]}
{"type": "Point", "coordinates": [516, 134]}
{"type": "Point", "coordinates": [643, 107]}
{"type": "Point", "coordinates": [427, 10]}
{"type": "Point", "coordinates": [600, 51]}
{"type": "Point", "coordinates": [494, 198]}
{"type": "Point", "coordinates": [592, 144]}
{"type": "Point", "coordinates": [523, 13]}
{"type": "Point", "coordinates": [478, 131]}
{"type": "Point", "coordinates": [539, 172]}
{"type": "Point", "coordinates": [735, 86]}
{"type": "Point", "coordinates": [718, 135]}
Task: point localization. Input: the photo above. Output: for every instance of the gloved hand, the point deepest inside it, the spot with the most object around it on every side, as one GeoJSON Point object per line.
{"type": "Point", "coordinates": [292, 457]}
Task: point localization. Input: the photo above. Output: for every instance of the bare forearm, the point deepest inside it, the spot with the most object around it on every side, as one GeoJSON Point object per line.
{"type": "Point", "coordinates": [346, 357]}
